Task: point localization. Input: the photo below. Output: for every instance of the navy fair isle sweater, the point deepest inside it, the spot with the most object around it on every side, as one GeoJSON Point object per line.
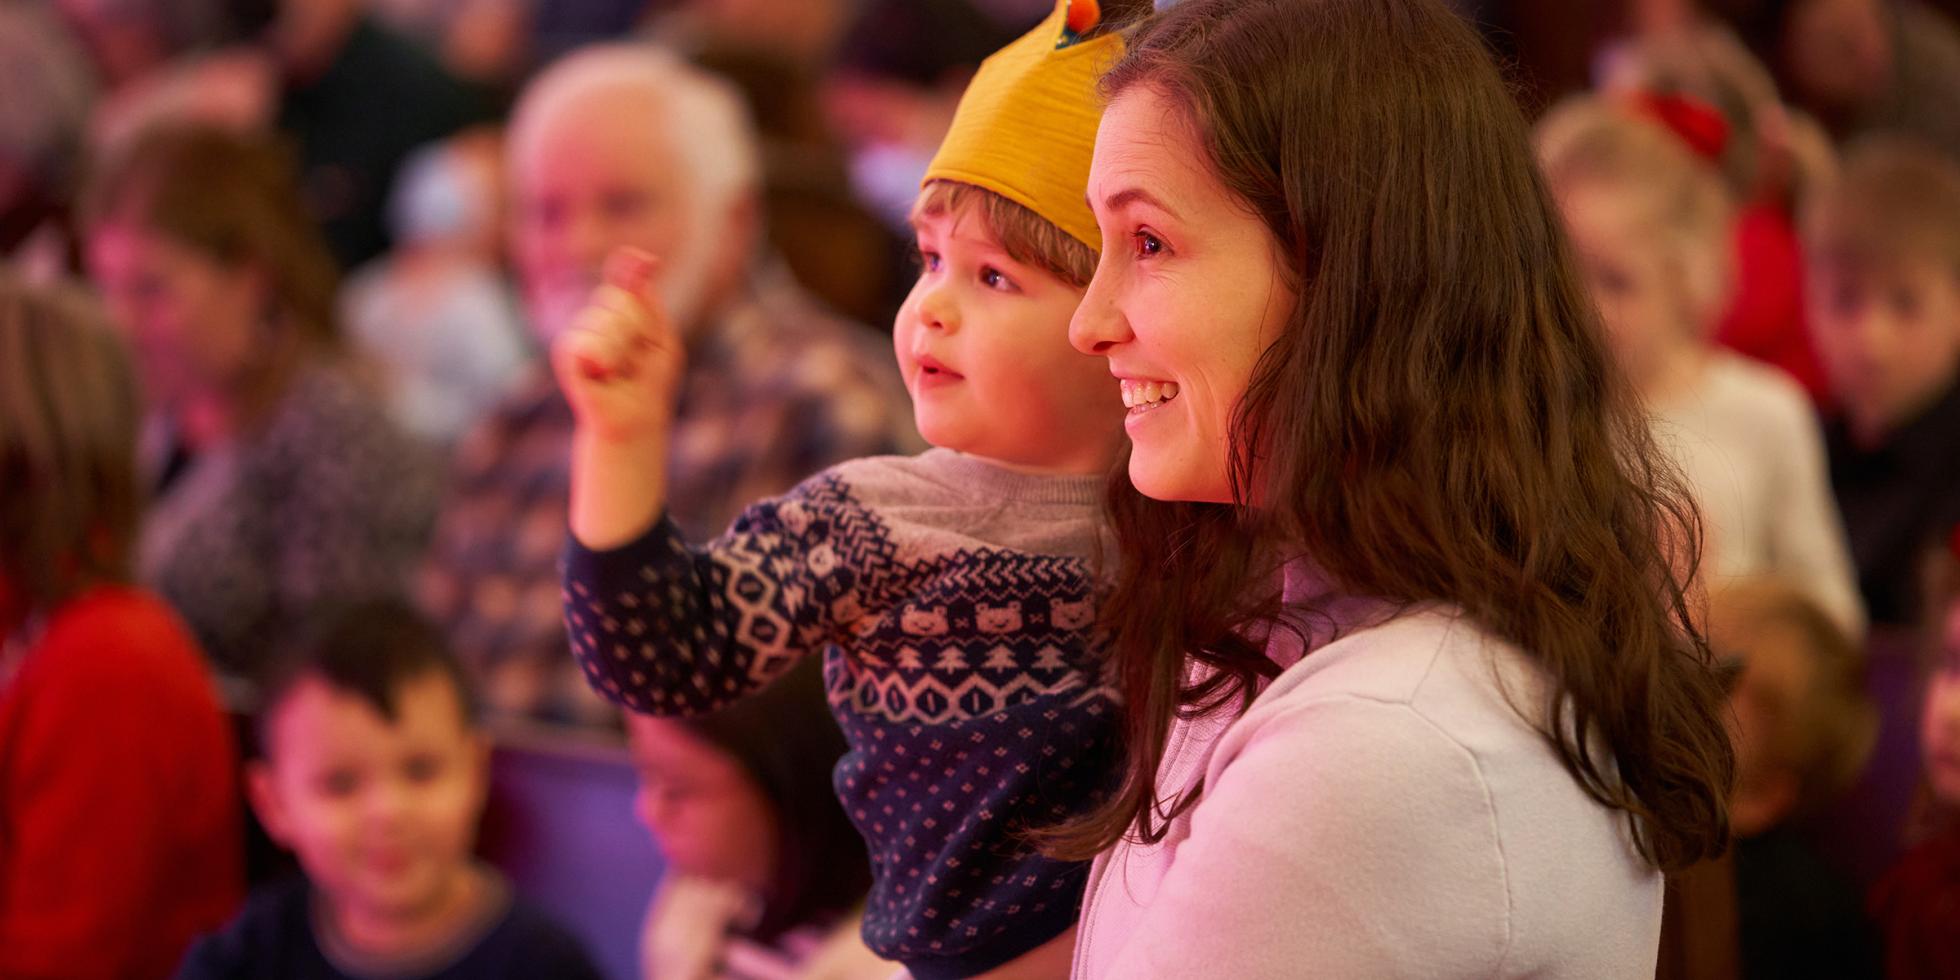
{"type": "Point", "coordinates": [953, 603]}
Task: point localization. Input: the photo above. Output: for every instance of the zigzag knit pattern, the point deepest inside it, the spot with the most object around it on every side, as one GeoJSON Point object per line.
{"type": "Point", "coordinates": [964, 674]}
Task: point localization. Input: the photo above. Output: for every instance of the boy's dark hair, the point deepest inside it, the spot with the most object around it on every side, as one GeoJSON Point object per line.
{"type": "Point", "coordinates": [369, 649]}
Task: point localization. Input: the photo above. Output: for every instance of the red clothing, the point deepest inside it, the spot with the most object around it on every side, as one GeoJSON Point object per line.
{"type": "Point", "coordinates": [1765, 319]}
{"type": "Point", "coordinates": [120, 833]}
{"type": "Point", "coordinates": [1917, 908]}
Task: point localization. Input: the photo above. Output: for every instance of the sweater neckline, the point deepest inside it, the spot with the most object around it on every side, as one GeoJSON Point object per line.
{"type": "Point", "coordinates": [985, 478]}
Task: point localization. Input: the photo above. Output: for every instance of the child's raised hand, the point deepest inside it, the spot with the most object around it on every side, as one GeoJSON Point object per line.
{"type": "Point", "coordinates": [620, 362]}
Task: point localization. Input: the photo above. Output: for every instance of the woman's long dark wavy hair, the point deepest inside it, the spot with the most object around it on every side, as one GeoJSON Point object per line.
{"type": "Point", "coordinates": [1437, 422]}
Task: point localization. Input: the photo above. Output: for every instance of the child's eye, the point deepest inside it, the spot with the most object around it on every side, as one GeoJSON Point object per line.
{"type": "Point", "coordinates": [1147, 244]}
{"type": "Point", "coordinates": [928, 260]}
{"type": "Point", "coordinates": [993, 278]}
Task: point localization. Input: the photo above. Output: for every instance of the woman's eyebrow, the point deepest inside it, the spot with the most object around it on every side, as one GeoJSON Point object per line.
{"type": "Point", "coordinates": [1130, 195]}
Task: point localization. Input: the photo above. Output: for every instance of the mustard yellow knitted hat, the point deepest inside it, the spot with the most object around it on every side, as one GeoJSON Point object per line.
{"type": "Point", "coordinates": [1026, 127]}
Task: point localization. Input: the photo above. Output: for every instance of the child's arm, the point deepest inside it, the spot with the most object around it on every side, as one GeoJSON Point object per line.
{"type": "Point", "coordinates": [658, 626]}
{"type": "Point", "coordinates": [664, 628]}
{"type": "Point", "coordinates": [619, 367]}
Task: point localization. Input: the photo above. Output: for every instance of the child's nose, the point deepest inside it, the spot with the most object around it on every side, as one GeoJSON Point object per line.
{"type": "Point", "coordinates": [937, 310]}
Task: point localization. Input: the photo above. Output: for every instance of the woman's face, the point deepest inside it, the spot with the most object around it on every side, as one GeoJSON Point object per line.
{"type": "Point", "coordinates": [708, 817]}
{"type": "Point", "coordinates": [1188, 294]}
{"type": "Point", "coordinates": [193, 321]}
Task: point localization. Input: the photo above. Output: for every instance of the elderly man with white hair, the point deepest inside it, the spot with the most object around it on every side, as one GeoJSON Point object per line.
{"type": "Point", "coordinates": [624, 145]}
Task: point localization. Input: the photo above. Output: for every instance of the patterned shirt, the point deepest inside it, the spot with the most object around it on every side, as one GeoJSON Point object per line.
{"type": "Point", "coordinates": [775, 390]}
{"type": "Point", "coordinates": [327, 503]}
{"type": "Point", "coordinates": [953, 603]}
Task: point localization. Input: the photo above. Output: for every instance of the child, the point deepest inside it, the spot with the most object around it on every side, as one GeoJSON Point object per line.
{"type": "Point", "coordinates": [1917, 903]}
{"type": "Point", "coordinates": [1884, 294]}
{"type": "Point", "coordinates": [951, 594]}
{"type": "Point", "coordinates": [373, 772]}
{"type": "Point", "coordinates": [763, 872]}
{"type": "Point", "coordinates": [119, 820]}
{"type": "Point", "coordinates": [1803, 728]}
{"type": "Point", "coordinates": [1705, 83]}
{"type": "Point", "coordinates": [1650, 222]}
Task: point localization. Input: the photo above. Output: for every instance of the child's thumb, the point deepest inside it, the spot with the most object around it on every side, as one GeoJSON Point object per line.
{"type": "Point", "coordinates": [631, 269]}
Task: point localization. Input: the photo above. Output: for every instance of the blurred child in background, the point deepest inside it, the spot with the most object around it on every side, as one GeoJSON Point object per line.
{"type": "Point", "coordinates": [1704, 84]}
{"type": "Point", "coordinates": [764, 873]}
{"type": "Point", "coordinates": [373, 771]}
{"type": "Point", "coordinates": [1651, 224]}
{"type": "Point", "coordinates": [1883, 246]}
{"type": "Point", "coordinates": [1804, 729]}
{"type": "Point", "coordinates": [437, 312]}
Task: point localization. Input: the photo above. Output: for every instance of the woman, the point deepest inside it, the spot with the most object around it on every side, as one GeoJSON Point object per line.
{"type": "Point", "coordinates": [1475, 723]}
{"type": "Point", "coordinates": [764, 870]}
{"type": "Point", "coordinates": [298, 490]}
{"type": "Point", "coordinates": [119, 818]}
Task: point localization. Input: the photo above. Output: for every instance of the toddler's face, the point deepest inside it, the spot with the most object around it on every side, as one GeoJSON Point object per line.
{"type": "Point", "coordinates": [382, 814]}
{"type": "Point", "coordinates": [1890, 339]}
{"type": "Point", "coordinates": [982, 343]}
{"type": "Point", "coordinates": [1940, 728]}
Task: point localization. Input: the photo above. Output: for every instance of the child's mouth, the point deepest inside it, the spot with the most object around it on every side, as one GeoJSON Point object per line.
{"type": "Point", "coordinates": [1145, 396]}
{"type": "Point", "coordinates": [933, 372]}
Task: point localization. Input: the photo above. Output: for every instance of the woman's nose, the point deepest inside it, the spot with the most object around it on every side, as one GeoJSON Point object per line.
{"type": "Point", "coordinates": [1097, 325]}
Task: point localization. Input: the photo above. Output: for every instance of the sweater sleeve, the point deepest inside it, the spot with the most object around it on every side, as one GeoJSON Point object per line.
{"type": "Point", "coordinates": [1346, 838]}
{"type": "Point", "coordinates": [664, 628]}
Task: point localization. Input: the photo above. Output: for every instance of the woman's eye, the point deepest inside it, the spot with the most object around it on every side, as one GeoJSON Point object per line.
{"type": "Point", "coordinates": [1147, 244]}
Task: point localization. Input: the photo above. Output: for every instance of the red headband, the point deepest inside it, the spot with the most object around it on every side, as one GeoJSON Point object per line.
{"type": "Point", "coordinates": [1696, 122]}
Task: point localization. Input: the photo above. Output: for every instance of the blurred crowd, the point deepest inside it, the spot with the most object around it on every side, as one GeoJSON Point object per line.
{"type": "Point", "coordinates": [279, 278]}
